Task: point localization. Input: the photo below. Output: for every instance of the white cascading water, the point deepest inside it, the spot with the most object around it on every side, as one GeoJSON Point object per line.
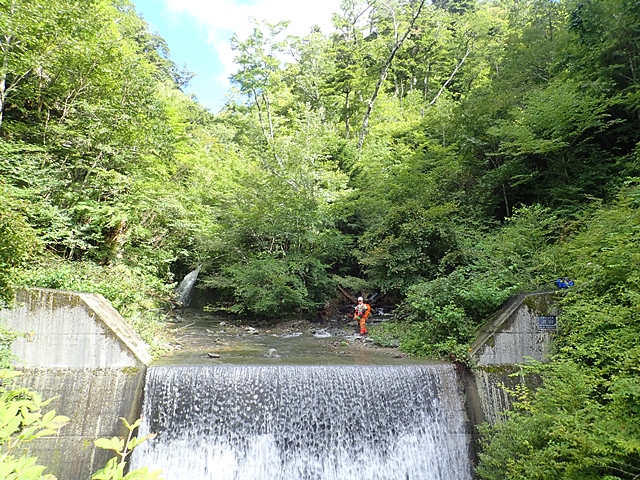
{"type": "Point", "coordinates": [184, 291]}
{"type": "Point", "coordinates": [305, 423]}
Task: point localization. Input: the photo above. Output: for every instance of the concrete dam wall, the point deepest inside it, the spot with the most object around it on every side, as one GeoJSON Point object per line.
{"type": "Point", "coordinates": [76, 347]}
{"type": "Point", "coordinates": [522, 329]}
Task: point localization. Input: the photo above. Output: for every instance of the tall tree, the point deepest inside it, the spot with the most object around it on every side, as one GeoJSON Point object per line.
{"type": "Point", "coordinates": [259, 73]}
{"type": "Point", "coordinates": [400, 34]}
{"type": "Point", "coordinates": [32, 35]}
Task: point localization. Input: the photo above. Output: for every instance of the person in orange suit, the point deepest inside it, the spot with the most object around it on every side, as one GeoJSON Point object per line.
{"type": "Point", "coordinates": [361, 314]}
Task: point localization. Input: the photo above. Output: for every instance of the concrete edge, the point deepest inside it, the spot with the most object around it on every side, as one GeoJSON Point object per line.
{"type": "Point", "coordinates": [498, 319]}
{"type": "Point", "coordinates": [118, 325]}
{"type": "Point", "coordinates": [109, 317]}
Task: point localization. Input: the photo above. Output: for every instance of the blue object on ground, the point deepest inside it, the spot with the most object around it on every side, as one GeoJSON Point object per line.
{"type": "Point", "coordinates": [564, 282]}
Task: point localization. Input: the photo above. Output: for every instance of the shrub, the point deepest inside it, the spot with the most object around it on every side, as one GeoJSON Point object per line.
{"type": "Point", "coordinates": [17, 242]}
{"type": "Point", "coordinates": [22, 421]}
{"type": "Point", "coordinates": [139, 297]}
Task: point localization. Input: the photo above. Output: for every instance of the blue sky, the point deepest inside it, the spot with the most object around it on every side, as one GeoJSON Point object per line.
{"type": "Point", "coordinates": [198, 33]}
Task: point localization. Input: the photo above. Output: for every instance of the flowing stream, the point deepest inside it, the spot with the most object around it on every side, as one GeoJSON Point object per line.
{"type": "Point", "coordinates": [305, 422]}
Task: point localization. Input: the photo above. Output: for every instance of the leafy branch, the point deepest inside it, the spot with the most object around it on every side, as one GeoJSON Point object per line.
{"type": "Point", "coordinates": [114, 470]}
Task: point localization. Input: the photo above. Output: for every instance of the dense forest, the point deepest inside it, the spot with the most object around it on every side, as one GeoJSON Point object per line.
{"type": "Point", "coordinates": [446, 154]}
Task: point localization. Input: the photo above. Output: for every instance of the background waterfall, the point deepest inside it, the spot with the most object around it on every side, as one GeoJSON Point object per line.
{"type": "Point", "coordinates": [184, 291]}
{"type": "Point", "coordinates": [305, 422]}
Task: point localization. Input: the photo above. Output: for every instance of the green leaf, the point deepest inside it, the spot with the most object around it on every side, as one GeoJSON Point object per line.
{"type": "Point", "coordinates": [143, 474]}
{"type": "Point", "coordinates": [57, 422]}
{"type": "Point", "coordinates": [116, 444]}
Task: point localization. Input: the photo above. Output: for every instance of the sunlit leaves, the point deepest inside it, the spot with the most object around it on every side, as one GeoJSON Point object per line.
{"type": "Point", "coordinates": [17, 239]}
{"type": "Point", "coordinates": [22, 421]}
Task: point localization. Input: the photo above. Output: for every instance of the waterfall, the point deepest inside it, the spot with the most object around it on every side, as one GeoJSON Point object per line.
{"type": "Point", "coordinates": [184, 290]}
{"type": "Point", "coordinates": [305, 422]}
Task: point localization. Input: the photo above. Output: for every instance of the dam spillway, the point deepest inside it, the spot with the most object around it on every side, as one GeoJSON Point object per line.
{"type": "Point", "coordinates": [338, 422]}
{"type": "Point", "coordinates": [80, 338]}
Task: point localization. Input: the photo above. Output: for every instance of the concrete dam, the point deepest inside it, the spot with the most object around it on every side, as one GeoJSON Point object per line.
{"type": "Point", "coordinates": [77, 348]}
{"type": "Point", "coordinates": [319, 422]}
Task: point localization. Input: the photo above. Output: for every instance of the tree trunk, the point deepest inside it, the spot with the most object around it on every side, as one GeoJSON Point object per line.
{"type": "Point", "coordinates": [3, 84]}
{"type": "Point", "coordinates": [347, 294]}
{"type": "Point", "coordinates": [455, 70]}
{"type": "Point", "coordinates": [346, 115]}
{"type": "Point", "coordinates": [3, 78]}
{"type": "Point", "coordinates": [384, 73]}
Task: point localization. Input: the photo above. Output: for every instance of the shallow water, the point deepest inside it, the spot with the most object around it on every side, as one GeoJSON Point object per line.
{"type": "Point", "coordinates": [208, 339]}
{"type": "Point", "coordinates": [299, 401]}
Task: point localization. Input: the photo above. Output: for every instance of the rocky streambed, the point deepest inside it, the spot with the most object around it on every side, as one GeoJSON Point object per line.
{"type": "Point", "coordinates": [205, 338]}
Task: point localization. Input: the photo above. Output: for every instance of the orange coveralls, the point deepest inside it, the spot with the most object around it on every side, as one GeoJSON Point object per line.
{"type": "Point", "coordinates": [361, 314]}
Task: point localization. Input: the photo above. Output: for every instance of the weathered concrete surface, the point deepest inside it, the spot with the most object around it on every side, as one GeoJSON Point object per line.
{"type": "Point", "coordinates": [510, 338]}
{"type": "Point", "coordinates": [71, 329]}
{"type": "Point", "coordinates": [513, 334]}
{"type": "Point", "coordinates": [79, 349]}
{"type": "Point", "coordinates": [95, 400]}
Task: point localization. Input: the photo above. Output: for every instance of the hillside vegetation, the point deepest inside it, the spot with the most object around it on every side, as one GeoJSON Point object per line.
{"type": "Point", "coordinates": [446, 154]}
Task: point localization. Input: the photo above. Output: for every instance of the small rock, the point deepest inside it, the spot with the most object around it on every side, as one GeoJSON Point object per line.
{"type": "Point", "coordinates": [272, 353]}
{"type": "Point", "coordinates": [213, 355]}
{"type": "Point", "coordinates": [223, 324]}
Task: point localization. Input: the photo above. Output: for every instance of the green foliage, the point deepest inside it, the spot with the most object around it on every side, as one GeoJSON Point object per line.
{"type": "Point", "coordinates": [271, 286]}
{"type": "Point", "coordinates": [603, 253]}
{"type": "Point", "coordinates": [114, 469]}
{"type": "Point", "coordinates": [583, 422]}
{"type": "Point", "coordinates": [22, 421]}
{"type": "Point", "coordinates": [566, 431]}
{"type": "Point", "coordinates": [546, 147]}
{"type": "Point", "coordinates": [476, 296]}
{"type": "Point", "coordinates": [407, 246]}
{"type": "Point", "coordinates": [387, 334]}
{"type": "Point", "coordinates": [278, 241]}
{"type": "Point", "coordinates": [517, 256]}
{"type": "Point", "coordinates": [445, 312]}
{"type": "Point", "coordinates": [498, 138]}
{"type": "Point", "coordinates": [408, 223]}
{"type": "Point", "coordinates": [483, 110]}
{"type": "Point", "coordinates": [7, 337]}
{"type": "Point", "coordinates": [17, 241]}
{"type": "Point", "coordinates": [443, 334]}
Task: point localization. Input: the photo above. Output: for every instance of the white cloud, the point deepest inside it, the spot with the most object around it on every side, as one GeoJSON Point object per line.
{"type": "Point", "coordinates": [223, 18]}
